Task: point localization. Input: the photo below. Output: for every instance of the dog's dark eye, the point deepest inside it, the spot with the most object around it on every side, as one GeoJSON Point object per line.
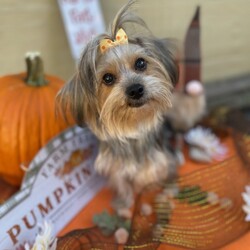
{"type": "Point", "coordinates": [140, 64]}
{"type": "Point", "coordinates": [108, 79]}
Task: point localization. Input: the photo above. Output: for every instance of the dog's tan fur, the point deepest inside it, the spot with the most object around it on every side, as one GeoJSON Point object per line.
{"type": "Point", "coordinates": [132, 154]}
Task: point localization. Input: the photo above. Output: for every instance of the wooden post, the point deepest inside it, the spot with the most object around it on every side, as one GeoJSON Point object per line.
{"type": "Point", "coordinates": [192, 50]}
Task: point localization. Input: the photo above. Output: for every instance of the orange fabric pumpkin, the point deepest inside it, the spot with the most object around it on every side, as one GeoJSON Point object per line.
{"type": "Point", "coordinates": [27, 117]}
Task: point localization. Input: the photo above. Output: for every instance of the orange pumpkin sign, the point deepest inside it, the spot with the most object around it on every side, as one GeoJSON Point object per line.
{"type": "Point", "coordinates": [27, 117]}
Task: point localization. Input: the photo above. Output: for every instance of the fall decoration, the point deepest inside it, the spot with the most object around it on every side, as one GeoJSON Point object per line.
{"type": "Point", "coordinates": [27, 116]}
{"type": "Point", "coordinates": [246, 206]}
{"type": "Point", "coordinates": [204, 145]}
{"type": "Point", "coordinates": [146, 209]}
{"type": "Point", "coordinates": [121, 235]}
{"type": "Point", "coordinates": [44, 240]}
{"type": "Point", "coordinates": [109, 223]}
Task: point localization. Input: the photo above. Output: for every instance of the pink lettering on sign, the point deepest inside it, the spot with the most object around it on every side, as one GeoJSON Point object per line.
{"type": "Point", "coordinates": [70, 1]}
{"type": "Point", "coordinates": [83, 36]}
{"type": "Point", "coordinates": [76, 1]}
{"type": "Point", "coordinates": [82, 19]}
{"type": "Point", "coordinates": [81, 16]}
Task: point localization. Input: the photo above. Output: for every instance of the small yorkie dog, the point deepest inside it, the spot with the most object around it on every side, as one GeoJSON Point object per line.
{"type": "Point", "coordinates": [122, 91]}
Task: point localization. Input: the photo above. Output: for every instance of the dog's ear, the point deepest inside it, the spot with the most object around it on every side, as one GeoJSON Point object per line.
{"type": "Point", "coordinates": [167, 56]}
{"type": "Point", "coordinates": [164, 50]}
{"type": "Point", "coordinates": [78, 96]}
{"type": "Point", "coordinates": [70, 101]}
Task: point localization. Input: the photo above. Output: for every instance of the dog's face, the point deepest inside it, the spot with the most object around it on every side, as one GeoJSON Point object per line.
{"type": "Point", "coordinates": [133, 91]}
{"type": "Point", "coordinates": [124, 91]}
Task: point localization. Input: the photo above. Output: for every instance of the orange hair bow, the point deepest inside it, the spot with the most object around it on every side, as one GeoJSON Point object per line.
{"type": "Point", "coordinates": [120, 38]}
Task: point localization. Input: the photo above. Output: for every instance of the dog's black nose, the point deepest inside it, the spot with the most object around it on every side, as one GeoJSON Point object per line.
{"type": "Point", "coordinates": [135, 91]}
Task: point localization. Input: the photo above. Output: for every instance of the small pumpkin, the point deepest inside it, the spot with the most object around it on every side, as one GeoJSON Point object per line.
{"type": "Point", "coordinates": [27, 116]}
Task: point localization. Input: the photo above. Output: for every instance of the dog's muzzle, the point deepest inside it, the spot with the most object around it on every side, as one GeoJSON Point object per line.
{"type": "Point", "coordinates": [135, 91]}
{"type": "Point", "coordinates": [135, 95]}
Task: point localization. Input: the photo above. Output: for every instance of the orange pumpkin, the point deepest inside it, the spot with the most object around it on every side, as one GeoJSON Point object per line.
{"type": "Point", "coordinates": [7, 191]}
{"type": "Point", "coordinates": [27, 117]}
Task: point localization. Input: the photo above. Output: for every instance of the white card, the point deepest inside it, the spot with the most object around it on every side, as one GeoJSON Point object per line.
{"type": "Point", "coordinates": [82, 20]}
{"type": "Point", "coordinates": [60, 182]}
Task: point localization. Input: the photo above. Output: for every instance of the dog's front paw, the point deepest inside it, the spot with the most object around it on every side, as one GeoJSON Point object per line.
{"type": "Point", "coordinates": [122, 207]}
{"type": "Point", "coordinates": [119, 202]}
{"type": "Point", "coordinates": [180, 157]}
{"type": "Point", "coordinates": [124, 213]}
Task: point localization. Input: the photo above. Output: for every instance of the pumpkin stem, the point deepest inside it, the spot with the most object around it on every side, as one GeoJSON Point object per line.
{"type": "Point", "coordinates": [35, 70]}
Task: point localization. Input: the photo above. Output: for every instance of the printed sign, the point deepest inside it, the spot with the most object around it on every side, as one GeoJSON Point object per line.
{"type": "Point", "coordinates": [60, 181]}
{"type": "Point", "coordinates": [82, 20]}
